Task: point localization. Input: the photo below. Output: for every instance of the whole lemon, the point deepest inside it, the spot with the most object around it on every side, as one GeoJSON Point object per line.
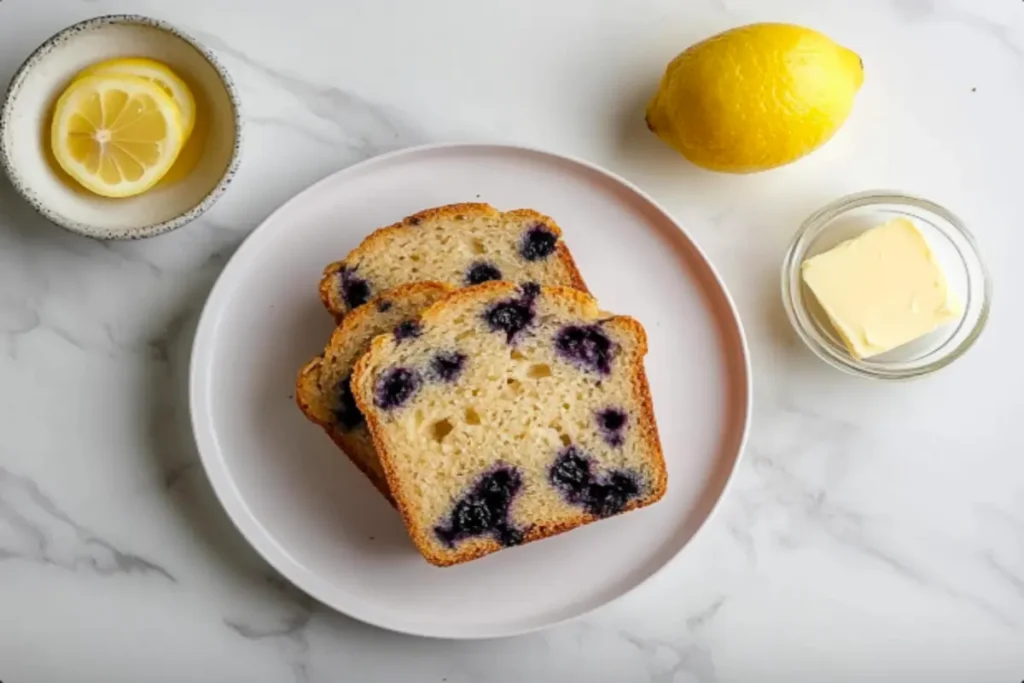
{"type": "Point", "coordinates": [755, 97]}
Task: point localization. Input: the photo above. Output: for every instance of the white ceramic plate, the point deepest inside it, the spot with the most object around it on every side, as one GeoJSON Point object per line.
{"type": "Point", "coordinates": [314, 517]}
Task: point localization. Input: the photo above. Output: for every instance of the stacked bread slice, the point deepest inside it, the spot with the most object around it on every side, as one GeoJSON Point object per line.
{"type": "Point", "coordinates": [479, 387]}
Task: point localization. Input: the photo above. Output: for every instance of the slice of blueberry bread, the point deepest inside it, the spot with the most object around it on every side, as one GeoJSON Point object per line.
{"type": "Point", "coordinates": [323, 391]}
{"type": "Point", "coordinates": [459, 244]}
{"type": "Point", "coordinates": [512, 413]}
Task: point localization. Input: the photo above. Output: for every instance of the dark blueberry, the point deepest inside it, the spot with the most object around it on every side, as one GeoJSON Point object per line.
{"type": "Point", "coordinates": [586, 345]}
{"type": "Point", "coordinates": [510, 317]}
{"type": "Point", "coordinates": [472, 517]}
{"type": "Point", "coordinates": [346, 412]}
{"type": "Point", "coordinates": [507, 535]}
{"type": "Point", "coordinates": [482, 272]}
{"type": "Point", "coordinates": [447, 535]}
{"type": "Point", "coordinates": [611, 421]}
{"type": "Point", "coordinates": [395, 387]}
{"type": "Point", "coordinates": [355, 290]}
{"type": "Point", "coordinates": [538, 243]}
{"type": "Point", "coordinates": [408, 329]}
{"type": "Point", "coordinates": [570, 473]}
{"type": "Point", "coordinates": [496, 489]}
{"type": "Point", "coordinates": [604, 500]}
{"type": "Point", "coordinates": [447, 365]}
{"type": "Point", "coordinates": [383, 305]}
{"type": "Point", "coordinates": [531, 290]}
{"type": "Point", "coordinates": [483, 510]}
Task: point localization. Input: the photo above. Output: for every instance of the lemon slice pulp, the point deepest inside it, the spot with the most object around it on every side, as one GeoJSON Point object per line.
{"type": "Point", "coordinates": [157, 72]}
{"type": "Point", "coordinates": [116, 135]}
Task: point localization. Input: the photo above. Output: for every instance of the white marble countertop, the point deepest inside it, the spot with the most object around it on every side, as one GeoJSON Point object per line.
{"type": "Point", "coordinates": [874, 532]}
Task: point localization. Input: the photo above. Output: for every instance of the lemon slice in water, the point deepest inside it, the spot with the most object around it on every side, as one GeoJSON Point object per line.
{"type": "Point", "coordinates": [116, 135]}
{"type": "Point", "coordinates": [159, 73]}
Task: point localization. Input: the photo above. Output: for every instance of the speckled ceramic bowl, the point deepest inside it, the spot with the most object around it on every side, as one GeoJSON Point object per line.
{"type": "Point", "coordinates": [203, 170]}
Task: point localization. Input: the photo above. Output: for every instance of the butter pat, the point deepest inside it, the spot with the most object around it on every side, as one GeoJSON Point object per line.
{"type": "Point", "coordinates": [881, 289]}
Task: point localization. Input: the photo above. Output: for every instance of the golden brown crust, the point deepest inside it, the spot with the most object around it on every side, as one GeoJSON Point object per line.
{"type": "Point", "coordinates": [449, 211]}
{"type": "Point", "coordinates": [307, 390]}
{"type": "Point", "coordinates": [306, 393]}
{"type": "Point", "coordinates": [358, 316]}
{"type": "Point", "coordinates": [475, 548]}
{"type": "Point", "coordinates": [563, 254]}
{"type": "Point", "coordinates": [456, 211]}
{"type": "Point", "coordinates": [329, 288]}
{"type": "Point", "coordinates": [649, 430]}
{"type": "Point", "coordinates": [309, 393]}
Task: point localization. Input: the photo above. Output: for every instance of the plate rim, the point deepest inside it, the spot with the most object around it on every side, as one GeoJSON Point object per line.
{"type": "Point", "coordinates": [224, 485]}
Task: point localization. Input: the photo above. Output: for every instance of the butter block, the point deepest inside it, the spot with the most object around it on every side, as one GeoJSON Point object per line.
{"type": "Point", "coordinates": [882, 289]}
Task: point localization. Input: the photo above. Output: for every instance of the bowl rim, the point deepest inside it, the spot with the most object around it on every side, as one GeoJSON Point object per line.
{"type": "Point", "coordinates": [805, 328]}
{"type": "Point", "coordinates": [143, 231]}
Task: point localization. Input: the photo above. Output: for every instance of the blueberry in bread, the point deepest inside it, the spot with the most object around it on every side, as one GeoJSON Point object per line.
{"type": "Point", "coordinates": [324, 393]}
{"type": "Point", "coordinates": [458, 244]}
{"type": "Point", "coordinates": [516, 412]}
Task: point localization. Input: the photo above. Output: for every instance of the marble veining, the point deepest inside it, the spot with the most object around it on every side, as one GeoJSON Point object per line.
{"type": "Point", "coordinates": [331, 115]}
{"type": "Point", "coordinates": [872, 533]}
{"type": "Point", "coordinates": [38, 531]}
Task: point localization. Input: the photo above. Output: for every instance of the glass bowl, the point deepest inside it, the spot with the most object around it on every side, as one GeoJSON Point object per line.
{"type": "Point", "coordinates": [955, 249]}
